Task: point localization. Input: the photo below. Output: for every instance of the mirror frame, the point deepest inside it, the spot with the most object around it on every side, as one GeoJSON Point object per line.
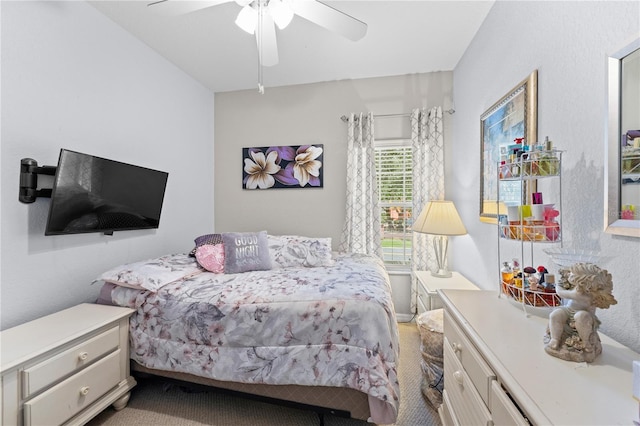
{"type": "Point", "coordinates": [612, 222]}
{"type": "Point", "coordinates": [490, 148]}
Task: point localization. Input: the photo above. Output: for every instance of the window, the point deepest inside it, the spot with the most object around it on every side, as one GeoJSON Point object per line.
{"type": "Point", "coordinates": [394, 162]}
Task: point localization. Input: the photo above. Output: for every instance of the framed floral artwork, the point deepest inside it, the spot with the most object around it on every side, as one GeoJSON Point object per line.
{"type": "Point", "coordinates": [510, 121]}
{"type": "Point", "coordinates": [297, 166]}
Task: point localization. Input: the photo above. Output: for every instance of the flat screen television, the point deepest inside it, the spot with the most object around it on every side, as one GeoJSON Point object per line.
{"type": "Point", "coordinates": [93, 194]}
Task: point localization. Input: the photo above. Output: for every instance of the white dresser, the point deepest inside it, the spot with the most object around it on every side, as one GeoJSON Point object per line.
{"type": "Point", "coordinates": [497, 372]}
{"type": "Point", "coordinates": [66, 367]}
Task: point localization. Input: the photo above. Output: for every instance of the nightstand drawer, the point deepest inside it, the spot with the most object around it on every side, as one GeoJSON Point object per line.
{"type": "Point", "coordinates": [53, 369]}
{"type": "Point", "coordinates": [470, 408]}
{"type": "Point", "coordinates": [473, 363]}
{"type": "Point", "coordinates": [423, 302]}
{"type": "Point", "coordinates": [71, 396]}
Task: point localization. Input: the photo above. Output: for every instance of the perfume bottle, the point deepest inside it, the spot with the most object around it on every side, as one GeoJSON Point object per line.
{"type": "Point", "coordinates": [517, 279]}
{"type": "Point", "coordinates": [550, 289]}
{"type": "Point", "coordinates": [507, 277]}
{"type": "Point", "coordinates": [628, 212]}
{"type": "Point", "coordinates": [515, 266]}
{"type": "Point", "coordinates": [548, 164]}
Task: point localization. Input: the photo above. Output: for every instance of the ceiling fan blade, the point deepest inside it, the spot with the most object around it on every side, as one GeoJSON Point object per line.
{"type": "Point", "coordinates": [181, 7]}
{"type": "Point", "coordinates": [330, 18]}
{"type": "Point", "coordinates": [266, 41]}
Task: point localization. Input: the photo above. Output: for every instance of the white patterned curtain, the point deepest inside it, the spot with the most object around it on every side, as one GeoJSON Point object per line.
{"type": "Point", "coordinates": [428, 183]}
{"type": "Point", "coordinates": [361, 232]}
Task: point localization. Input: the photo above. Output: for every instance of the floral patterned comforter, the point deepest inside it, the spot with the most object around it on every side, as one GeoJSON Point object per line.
{"type": "Point", "coordinates": [321, 326]}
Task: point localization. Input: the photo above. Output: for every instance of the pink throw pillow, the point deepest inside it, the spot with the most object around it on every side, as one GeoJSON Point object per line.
{"type": "Point", "coordinates": [211, 257]}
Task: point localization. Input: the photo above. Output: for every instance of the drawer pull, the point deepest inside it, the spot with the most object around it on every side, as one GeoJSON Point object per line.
{"type": "Point", "coordinates": [83, 356]}
{"type": "Point", "coordinates": [457, 375]}
{"type": "Point", "coordinates": [457, 347]}
{"type": "Point", "coordinates": [84, 391]}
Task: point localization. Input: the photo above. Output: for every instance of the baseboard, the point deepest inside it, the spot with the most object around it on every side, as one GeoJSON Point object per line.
{"type": "Point", "coordinates": [404, 317]}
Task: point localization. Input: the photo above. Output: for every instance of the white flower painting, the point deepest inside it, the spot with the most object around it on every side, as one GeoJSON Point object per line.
{"type": "Point", "coordinates": [282, 167]}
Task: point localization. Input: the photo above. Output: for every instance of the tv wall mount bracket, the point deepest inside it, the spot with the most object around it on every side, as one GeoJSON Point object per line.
{"type": "Point", "coordinates": [29, 171]}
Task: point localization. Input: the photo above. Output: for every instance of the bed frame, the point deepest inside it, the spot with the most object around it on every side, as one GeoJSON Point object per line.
{"type": "Point", "coordinates": [343, 402]}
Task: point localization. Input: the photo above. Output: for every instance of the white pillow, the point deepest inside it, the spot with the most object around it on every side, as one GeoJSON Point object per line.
{"type": "Point", "coordinates": [289, 251]}
{"type": "Point", "coordinates": [153, 274]}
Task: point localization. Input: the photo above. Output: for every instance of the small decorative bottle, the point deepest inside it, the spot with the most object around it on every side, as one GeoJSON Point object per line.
{"type": "Point", "coordinates": [628, 212]}
{"type": "Point", "coordinates": [548, 163]}
{"type": "Point", "coordinates": [507, 277]}
{"type": "Point", "coordinates": [515, 266]}
{"type": "Point", "coordinates": [517, 279]}
{"type": "Point", "coordinates": [551, 226]}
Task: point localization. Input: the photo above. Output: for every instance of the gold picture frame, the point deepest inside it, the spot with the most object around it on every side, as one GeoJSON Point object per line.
{"type": "Point", "coordinates": [514, 116]}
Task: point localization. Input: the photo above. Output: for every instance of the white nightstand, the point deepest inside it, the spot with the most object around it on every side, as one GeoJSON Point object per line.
{"type": "Point", "coordinates": [65, 367]}
{"type": "Point", "coordinates": [428, 285]}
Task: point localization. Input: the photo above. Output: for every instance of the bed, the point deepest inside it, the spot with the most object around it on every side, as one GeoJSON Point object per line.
{"type": "Point", "coordinates": [300, 324]}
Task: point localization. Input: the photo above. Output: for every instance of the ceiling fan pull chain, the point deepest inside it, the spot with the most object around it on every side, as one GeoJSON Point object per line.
{"type": "Point", "coordinates": [260, 32]}
{"type": "Point", "coordinates": [260, 86]}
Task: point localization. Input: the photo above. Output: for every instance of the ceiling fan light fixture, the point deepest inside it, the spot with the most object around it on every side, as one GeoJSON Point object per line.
{"type": "Point", "coordinates": [280, 12]}
{"type": "Point", "coordinates": [247, 19]}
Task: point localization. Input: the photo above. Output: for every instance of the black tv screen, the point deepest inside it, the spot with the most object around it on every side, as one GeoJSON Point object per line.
{"type": "Point", "coordinates": [93, 194]}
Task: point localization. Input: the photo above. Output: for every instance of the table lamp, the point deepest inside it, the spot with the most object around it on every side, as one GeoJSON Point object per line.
{"type": "Point", "coordinates": [441, 219]}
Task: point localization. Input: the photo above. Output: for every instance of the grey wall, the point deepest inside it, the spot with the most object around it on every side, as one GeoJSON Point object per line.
{"type": "Point", "coordinates": [310, 114]}
{"type": "Point", "coordinates": [71, 78]}
{"type": "Point", "coordinates": [568, 43]}
{"type": "Point", "coordinates": [307, 114]}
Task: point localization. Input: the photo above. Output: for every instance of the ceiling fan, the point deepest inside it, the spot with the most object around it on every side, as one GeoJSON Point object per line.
{"type": "Point", "coordinates": [260, 17]}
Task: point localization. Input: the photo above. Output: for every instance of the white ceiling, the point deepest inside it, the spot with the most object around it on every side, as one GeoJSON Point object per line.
{"type": "Point", "coordinates": [403, 37]}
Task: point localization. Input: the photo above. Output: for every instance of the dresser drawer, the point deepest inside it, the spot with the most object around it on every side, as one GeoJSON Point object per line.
{"type": "Point", "coordinates": [47, 372]}
{"type": "Point", "coordinates": [447, 417]}
{"type": "Point", "coordinates": [69, 397]}
{"type": "Point", "coordinates": [503, 410]}
{"type": "Point", "coordinates": [464, 351]}
{"type": "Point", "coordinates": [470, 408]}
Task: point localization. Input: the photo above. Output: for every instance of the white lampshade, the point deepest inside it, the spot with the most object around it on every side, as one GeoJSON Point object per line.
{"type": "Point", "coordinates": [439, 218]}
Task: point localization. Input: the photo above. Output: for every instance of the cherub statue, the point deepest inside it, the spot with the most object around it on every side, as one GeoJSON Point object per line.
{"type": "Point", "coordinates": [572, 332]}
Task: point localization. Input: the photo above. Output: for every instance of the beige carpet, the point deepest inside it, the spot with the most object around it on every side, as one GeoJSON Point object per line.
{"type": "Point", "coordinates": [157, 402]}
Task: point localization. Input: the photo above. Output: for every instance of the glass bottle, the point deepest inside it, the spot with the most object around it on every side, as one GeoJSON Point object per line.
{"type": "Point", "coordinates": [549, 290]}
{"type": "Point", "coordinates": [515, 266]}
{"type": "Point", "coordinates": [517, 279]}
{"type": "Point", "coordinates": [507, 277]}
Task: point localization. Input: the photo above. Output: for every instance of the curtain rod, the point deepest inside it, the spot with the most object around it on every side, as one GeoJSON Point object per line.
{"type": "Point", "coordinates": [404, 114]}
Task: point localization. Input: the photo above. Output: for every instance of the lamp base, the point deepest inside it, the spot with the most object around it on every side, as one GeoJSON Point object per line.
{"type": "Point", "coordinates": [441, 273]}
{"type": "Point", "coordinates": [440, 245]}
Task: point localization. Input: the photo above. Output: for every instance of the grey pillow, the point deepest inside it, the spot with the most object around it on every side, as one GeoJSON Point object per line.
{"type": "Point", "coordinates": [246, 251]}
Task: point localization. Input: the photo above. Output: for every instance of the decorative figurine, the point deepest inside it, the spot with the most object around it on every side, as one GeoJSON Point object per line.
{"type": "Point", "coordinates": [533, 278]}
{"type": "Point", "coordinates": [572, 332]}
{"type": "Point", "coordinates": [541, 272]}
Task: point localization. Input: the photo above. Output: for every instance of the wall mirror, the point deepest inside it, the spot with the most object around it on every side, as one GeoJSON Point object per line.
{"type": "Point", "coordinates": [622, 165]}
